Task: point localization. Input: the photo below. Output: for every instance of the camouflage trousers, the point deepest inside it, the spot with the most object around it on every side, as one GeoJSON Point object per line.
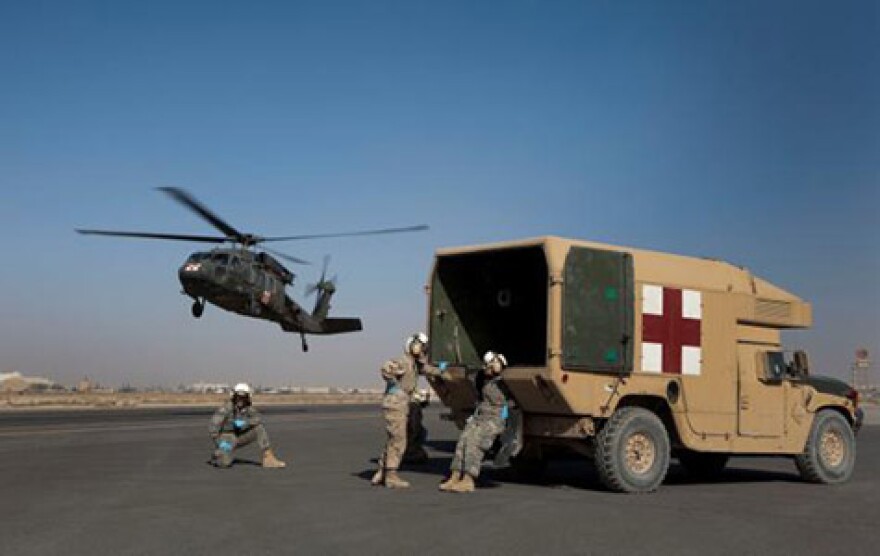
{"type": "Point", "coordinates": [416, 434]}
{"type": "Point", "coordinates": [395, 416]}
{"type": "Point", "coordinates": [258, 434]}
{"type": "Point", "coordinates": [475, 440]}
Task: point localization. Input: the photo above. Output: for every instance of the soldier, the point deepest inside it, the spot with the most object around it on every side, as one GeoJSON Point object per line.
{"type": "Point", "coordinates": [414, 365]}
{"type": "Point", "coordinates": [235, 424]}
{"type": "Point", "coordinates": [395, 408]}
{"type": "Point", "coordinates": [482, 428]}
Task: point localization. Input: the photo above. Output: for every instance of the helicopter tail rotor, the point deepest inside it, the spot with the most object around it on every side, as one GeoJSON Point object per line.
{"type": "Point", "coordinates": [323, 285]}
{"type": "Point", "coordinates": [324, 289]}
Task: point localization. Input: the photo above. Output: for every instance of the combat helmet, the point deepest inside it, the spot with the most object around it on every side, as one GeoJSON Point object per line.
{"type": "Point", "coordinates": [419, 337]}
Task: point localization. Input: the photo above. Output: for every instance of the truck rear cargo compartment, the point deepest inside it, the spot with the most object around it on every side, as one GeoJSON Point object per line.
{"type": "Point", "coordinates": [495, 300]}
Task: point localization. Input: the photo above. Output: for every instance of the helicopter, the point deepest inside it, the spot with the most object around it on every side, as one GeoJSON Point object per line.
{"type": "Point", "coordinates": [249, 281]}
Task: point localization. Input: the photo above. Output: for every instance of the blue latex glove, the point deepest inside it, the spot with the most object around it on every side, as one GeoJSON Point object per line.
{"type": "Point", "coordinates": [442, 366]}
{"type": "Point", "coordinates": [225, 445]}
{"type": "Point", "coordinates": [239, 423]}
{"type": "Point", "coordinates": [505, 413]}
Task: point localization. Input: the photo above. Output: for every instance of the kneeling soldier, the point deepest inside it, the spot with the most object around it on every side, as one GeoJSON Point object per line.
{"type": "Point", "coordinates": [482, 428]}
{"type": "Point", "coordinates": [235, 424]}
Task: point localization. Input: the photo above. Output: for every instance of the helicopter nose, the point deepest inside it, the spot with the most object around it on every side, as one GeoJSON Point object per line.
{"type": "Point", "coordinates": [193, 273]}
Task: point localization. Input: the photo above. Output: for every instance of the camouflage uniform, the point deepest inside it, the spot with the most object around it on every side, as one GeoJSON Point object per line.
{"type": "Point", "coordinates": [416, 434]}
{"type": "Point", "coordinates": [395, 411]}
{"type": "Point", "coordinates": [238, 427]}
{"type": "Point", "coordinates": [481, 430]}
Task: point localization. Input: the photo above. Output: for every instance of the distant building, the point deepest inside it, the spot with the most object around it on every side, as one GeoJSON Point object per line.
{"type": "Point", "coordinates": [316, 390]}
{"type": "Point", "coordinates": [15, 382]}
{"type": "Point", "coordinates": [209, 388]}
{"type": "Point", "coordinates": [85, 386]}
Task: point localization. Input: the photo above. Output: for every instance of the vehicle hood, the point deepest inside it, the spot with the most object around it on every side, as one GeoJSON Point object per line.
{"type": "Point", "coordinates": [828, 385]}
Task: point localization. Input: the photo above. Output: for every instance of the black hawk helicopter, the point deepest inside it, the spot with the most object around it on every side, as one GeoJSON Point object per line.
{"type": "Point", "coordinates": [252, 283]}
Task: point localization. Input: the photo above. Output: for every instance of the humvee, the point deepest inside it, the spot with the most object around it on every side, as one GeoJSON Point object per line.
{"type": "Point", "coordinates": [632, 357]}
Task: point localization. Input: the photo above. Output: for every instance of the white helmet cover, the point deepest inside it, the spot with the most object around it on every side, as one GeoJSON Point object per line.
{"type": "Point", "coordinates": [242, 389]}
{"type": "Point", "coordinates": [418, 337]}
{"type": "Point", "coordinates": [491, 356]}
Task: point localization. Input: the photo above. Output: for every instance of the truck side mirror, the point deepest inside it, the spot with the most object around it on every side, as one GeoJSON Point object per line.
{"type": "Point", "coordinates": [774, 366]}
{"type": "Point", "coordinates": [801, 363]}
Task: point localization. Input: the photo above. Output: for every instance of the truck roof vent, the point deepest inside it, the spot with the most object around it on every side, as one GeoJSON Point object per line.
{"type": "Point", "coordinates": [772, 310]}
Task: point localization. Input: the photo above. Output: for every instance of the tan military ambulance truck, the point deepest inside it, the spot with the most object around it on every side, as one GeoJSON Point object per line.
{"type": "Point", "coordinates": [634, 357]}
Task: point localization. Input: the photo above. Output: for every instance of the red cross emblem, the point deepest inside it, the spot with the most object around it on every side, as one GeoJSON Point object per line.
{"type": "Point", "coordinates": [671, 330]}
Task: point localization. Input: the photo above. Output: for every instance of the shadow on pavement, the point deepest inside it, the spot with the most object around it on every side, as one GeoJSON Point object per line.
{"type": "Point", "coordinates": [580, 474]}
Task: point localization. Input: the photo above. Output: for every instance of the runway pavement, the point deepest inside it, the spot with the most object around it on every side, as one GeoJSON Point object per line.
{"type": "Point", "coordinates": [136, 482]}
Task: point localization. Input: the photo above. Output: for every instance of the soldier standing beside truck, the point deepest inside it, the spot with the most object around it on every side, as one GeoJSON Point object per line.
{"type": "Point", "coordinates": [402, 410]}
{"type": "Point", "coordinates": [482, 428]}
{"type": "Point", "coordinates": [414, 365]}
{"type": "Point", "coordinates": [395, 410]}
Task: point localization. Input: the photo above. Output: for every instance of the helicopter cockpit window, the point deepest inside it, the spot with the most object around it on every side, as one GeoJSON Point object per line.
{"type": "Point", "coordinates": [220, 261]}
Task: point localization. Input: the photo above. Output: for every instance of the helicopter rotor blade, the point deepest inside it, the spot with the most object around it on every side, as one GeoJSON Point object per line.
{"type": "Point", "coordinates": [419, 228]}
{"type": "Point", "coordinates": [190, 202]}
{"type": "Point", "coordinates": [324, 267]}
{"type": "Point", "coordinates": [287, 257]}
{"type": "Point", "coordinates": [150, 235]}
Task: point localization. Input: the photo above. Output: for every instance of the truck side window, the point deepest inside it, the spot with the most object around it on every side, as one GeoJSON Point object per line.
{"type": "Point", "coordinates": [776, 368]}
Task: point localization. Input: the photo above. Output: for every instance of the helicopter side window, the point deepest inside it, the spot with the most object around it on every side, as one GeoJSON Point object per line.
{"type": "Point", "coordinates": [259, 279]}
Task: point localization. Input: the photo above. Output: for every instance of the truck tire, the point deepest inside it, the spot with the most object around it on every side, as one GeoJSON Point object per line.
{"type": "Point", "coordinates": [703, 465]}
{"type": "Point", "coordinates": [632, 451]}
{"type": "Point", "coordinates": [830, 453]}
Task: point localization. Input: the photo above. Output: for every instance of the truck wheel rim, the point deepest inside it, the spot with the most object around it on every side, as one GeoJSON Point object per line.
{"type": "Point", "coordinates": [833, 448]}
{"type": "Point", "coordinates": [640, 453]}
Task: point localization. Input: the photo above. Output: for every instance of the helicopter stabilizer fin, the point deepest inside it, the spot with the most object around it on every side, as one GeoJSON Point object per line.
{"type": "Point", "coordinates": [340, 325]}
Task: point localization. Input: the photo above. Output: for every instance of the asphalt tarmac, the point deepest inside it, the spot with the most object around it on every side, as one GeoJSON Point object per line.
{"type": "Point", "coordinates": [137, 482]}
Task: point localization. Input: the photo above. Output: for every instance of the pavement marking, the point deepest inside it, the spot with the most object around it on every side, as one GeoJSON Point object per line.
{"type": "Point", "coordinates": [29, 430]}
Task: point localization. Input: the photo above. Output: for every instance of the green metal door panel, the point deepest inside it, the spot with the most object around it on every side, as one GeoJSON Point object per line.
{"type": "Point", "coordinates": [597, 311]}
{"type": "Point", "coordinates": [450, 340]}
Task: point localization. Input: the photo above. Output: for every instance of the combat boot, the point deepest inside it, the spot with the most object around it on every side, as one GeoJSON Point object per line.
{"type": "Point", "coordinates": [466, 484]}
{"type": "Point", "coordinates": [221, 459]}
{"type": "Point", "coordinates": [271, 462]}
{"type": "Point", "coordinates": [453, 480]}
{"type": "Point", "coordinates": [393, 480]}
{"type": "Point", "coordinates": [378, 478]}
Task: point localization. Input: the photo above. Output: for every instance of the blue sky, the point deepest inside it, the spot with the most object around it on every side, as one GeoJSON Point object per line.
{"type": "Point", "coordinates": [746, 131]}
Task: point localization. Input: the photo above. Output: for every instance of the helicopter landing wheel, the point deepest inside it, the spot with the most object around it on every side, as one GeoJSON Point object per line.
{"type": "Point", "coordinates": [305, 344]}
{"type": "Point", "coordinates": [198, 308]}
